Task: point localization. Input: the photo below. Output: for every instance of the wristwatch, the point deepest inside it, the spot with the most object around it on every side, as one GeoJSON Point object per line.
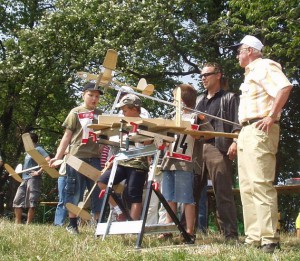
{"type": "Point", "coordinates": [272, 115]}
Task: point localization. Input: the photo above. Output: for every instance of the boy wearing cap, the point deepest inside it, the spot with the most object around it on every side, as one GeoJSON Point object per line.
{"type": "Point", "coordinates": [128, 90]}
{"type": "Point", "coordinates": [263, 94]}
{"type": "Point", "coordinates": [134, 171]}
{"type": "Point", "coordinates": [77, 137]}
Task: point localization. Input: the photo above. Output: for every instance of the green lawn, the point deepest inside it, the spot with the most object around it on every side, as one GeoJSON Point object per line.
{"type": "Point", "coordinates": [46, 242]}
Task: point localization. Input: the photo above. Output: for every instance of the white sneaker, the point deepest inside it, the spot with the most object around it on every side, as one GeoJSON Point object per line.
{"type": "Point", "coordinates": [72, 230]}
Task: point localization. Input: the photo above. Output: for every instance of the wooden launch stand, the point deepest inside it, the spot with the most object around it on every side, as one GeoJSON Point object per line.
{"type": "Point", "coordinates": [138, 226]}
{"type": "Point", "coordinates": [157, 131]}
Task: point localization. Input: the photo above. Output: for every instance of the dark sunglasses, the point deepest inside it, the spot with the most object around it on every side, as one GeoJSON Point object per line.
{"type": "Point", "coordinates": [207, 74]}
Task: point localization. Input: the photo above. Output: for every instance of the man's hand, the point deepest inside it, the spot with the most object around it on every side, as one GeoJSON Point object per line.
{"type": "Point", "coordinates": [265, 124]}
{"type": "Point", "coordinates": [232, 151]}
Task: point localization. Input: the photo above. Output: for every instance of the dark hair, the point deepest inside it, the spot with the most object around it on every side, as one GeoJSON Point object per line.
{"type": "Point", "coordinates": [218, 69]}
{"type": "Point", "coordinates": [188, 95]}
{"type": "Point", "coordinates": [34, 137]}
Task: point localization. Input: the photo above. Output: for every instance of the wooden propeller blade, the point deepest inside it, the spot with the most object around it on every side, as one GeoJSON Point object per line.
{"type": "Point", "coordinates": [12, 173]}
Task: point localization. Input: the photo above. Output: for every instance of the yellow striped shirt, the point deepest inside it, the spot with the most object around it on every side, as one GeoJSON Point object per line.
{"type": "Point", "coordinates": [263, 79]}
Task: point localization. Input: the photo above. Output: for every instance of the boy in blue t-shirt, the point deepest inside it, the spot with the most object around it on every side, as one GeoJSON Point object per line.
{"type": "Point", "coordinates": [29, 191]}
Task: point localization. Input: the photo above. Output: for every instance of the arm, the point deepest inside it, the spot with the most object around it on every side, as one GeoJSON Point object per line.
{"type": "Point", "coordinates": [39, 172]}
{"type": "Point", "coordinates": [65, 141]}
{"type": "Point", "coordinates": [281, 98]}
{"type": "Point", "coordinates": [233, 109]}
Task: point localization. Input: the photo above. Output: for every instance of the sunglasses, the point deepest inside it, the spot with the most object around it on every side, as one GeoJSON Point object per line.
{"type": "Point", "coordinates": [207, 74]}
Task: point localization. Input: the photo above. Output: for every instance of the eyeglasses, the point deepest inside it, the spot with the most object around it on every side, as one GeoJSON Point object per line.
{"type": "Point", "coordinates": [238, 52]}
{"type": "Point", "coordinates": [207, 74]}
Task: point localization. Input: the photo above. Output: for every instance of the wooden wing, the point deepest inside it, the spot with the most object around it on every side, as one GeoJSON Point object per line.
{"type": "Point", "coordinates": [83, 167]}
{"type": "Point", "coordinates": [12, 173]}
{"type": "Point", "coordinates": [38, 158]}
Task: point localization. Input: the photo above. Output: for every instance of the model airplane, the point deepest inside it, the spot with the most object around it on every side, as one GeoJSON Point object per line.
{"type": "Point", "coordinates": [105, 77]}
{"type": "Point", "coordinates": [90, 172]}
{"type": "Point", "coordinates": [38, 158]}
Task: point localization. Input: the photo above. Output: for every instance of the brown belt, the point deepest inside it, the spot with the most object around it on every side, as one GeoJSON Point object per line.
{"type": "Point", "coordinates": [246, 123]}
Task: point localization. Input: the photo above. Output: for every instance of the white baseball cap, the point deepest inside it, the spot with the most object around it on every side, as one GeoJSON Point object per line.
{"type": "Point", "coordinates": [251, 41]}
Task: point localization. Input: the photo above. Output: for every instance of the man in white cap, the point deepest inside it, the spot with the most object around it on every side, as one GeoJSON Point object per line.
{"type": "Point", "coordinates": [263, 94]}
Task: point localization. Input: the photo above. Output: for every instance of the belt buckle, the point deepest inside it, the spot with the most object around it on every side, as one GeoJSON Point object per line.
{"type": "Point", "coordinates": [246, 123]}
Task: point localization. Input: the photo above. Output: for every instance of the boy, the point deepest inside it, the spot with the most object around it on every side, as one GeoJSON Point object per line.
{"type": "Point", "coordinates": [179, 165]}
{"type": "Point", "coordinates": [83, 147]}
{"type": "Point", "coordinates": [29, 191]}
{"type": "Point", "coordinates": [134, 171]}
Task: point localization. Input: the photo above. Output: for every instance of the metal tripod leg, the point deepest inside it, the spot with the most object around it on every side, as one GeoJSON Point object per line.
{"type": "Point", "coordinates": [147, 199]}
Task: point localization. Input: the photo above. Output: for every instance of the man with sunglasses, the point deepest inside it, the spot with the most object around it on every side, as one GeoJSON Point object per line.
{"type": "Point", "coordinates": [219, 152]}
{"type": "Point", "coordinates": [263, 94]}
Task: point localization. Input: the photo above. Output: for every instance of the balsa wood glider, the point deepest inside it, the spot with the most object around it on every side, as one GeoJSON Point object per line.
{"type": "Point", "coordinates": [38, 158]}
{"type": "Point", "coordinates": [90, 172]}
{"type": "Point", "coordinates": [105, 77]}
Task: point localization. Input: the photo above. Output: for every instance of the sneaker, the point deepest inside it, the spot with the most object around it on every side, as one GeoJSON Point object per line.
{"type": "Point", "coordinates": [270, 248]}
{"type": "Point", "coordinates": [72, 230]}
{"type": "Point", "coordinates": [121, 217]}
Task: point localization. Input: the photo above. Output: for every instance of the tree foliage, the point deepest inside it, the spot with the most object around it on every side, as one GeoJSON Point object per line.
{"type": "Point", "coordinates": [44, 43]}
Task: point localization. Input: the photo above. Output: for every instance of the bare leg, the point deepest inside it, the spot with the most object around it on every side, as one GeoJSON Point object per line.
{"type": "Point", "coordinates": [135, 211]}
{"type": "Point", "coordinates": [30, 215]}
{"type": "Point", "coordinates": [190, 217]}
{"type": "Point", "coordinates": [18, 215]}
{"type": "Point", "coordinates": [173, 206]}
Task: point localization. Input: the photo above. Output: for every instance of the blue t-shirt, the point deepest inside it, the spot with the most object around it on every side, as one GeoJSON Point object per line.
{"type": "Point", "coordinates": [29, 162]}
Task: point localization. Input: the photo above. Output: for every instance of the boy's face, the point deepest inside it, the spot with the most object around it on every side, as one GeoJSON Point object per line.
{"type": "Point", "coordinates": [91, 99]}
{"type": "Point", "coordinates": [130, 112]}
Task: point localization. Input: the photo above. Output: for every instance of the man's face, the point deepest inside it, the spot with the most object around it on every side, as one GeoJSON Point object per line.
{"type": "Point", "coordinates": [130, 112]}
{"type": "Point", "coordinates": [243, 55]}
{"type": "Point", "coordinates": [210, 78]}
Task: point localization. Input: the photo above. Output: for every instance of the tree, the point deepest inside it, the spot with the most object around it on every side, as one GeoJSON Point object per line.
{"type": "Point", "coordinates": [44, 44]}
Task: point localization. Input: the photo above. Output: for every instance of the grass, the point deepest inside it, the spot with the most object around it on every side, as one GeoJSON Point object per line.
{"type": "Point", "coordinates": [46, 242]}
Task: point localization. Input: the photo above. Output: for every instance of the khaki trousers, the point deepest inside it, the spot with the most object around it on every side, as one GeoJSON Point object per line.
{"type": "Point", "coordinates": [256, 166]}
